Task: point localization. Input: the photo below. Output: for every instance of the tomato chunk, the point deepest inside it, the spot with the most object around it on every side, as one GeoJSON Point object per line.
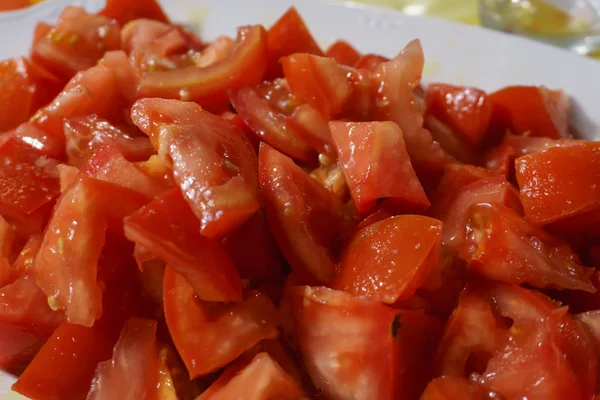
{"type": "Point", "coordinates": [451, 388]}
{"type": "Point", "coordinates": [132, 373]}
{"type": "Point", "coordinates": [24, 88]}
{"type": "Point", "coordinates": [538, 110]}
{"type": "Point", "coordinates": [198, 328]}
{"type": "Point", "coordinates": [317, 81]}
{"type": "Point", "coordinates": [343, 53]}
{"type": "Point", "coordinates": [376, 165]}
{"type": "Point", "coordinates": [125, 12]}
{"type": "Point", "coordinates": [561, 183]}
{"type": "Point", "coordinates": [314, 129]}
{"type": "Point", "coordinates": [216, 170]}
{"type": "Point", "coordinates": [208, 86]}
{"type": "Point", "coordinates": [390, 259]}
{"type": "Point", "coordinates": [467, 110]}
{"type": "Point", "coordinates": [356, 348]}
{"type": "Point", "coordinates": [304, 216]}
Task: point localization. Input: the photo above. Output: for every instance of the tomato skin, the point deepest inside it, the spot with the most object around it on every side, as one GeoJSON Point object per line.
{"type": "Point", "coordinates": [467, 110]}
{"type": "Point", "coordinates": [346, 341]}
{"type": "Point", "coordinates": [377, 166]}
{"type": "Point", "coordinates": [317, 81]}
{"type": "Point", "coordinates": [76, 43]}
{"type": "Point", "coordinates": [343, 53]}
{"type": "Point", "coordinates": [561, 183]}
{"type": "Point", "coordinates": [390, 259]}
{"type": "Point", "coordinates": [511, 250]}
{"type": "Point", "coordinates": [132, 373]}
{"type": "Point", "coordinates": [25, 87]}
{"type": "Point", "coordinates": [304, 216]}
{"type": "Point", "coordinates": [399, 106]}
{"type": "Point", "coordinates": [269, 125]}
{"type": "Point", "coordinates": [125, 12]}
{"type": "Point", "coordinates": [197, 327]}
{"type": "Point", "coordinates": [170, 229]}
{"type": "Point", "coordinates": [289, 35]}
{"type": "Point", "coordinates": [86, 134]}
{"type": "Point", "coordinates": [538, 110]}
{"type": "Point", "coordinates": [208, 86]}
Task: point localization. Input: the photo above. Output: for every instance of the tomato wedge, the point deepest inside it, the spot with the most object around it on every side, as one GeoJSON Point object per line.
{"type": "Point", "coordinates": [562, 185]}
{"type": "Point", "coordinates": [129, 11]}
{"type": "Point", "coordinates": [390, 259]}
{"type": "Point", "coordinates": [198, 328]}
{"type": "Point", "coordinates": [356, 348]}
{"type": "Point", "coordinates": [452, 388]}
{"type": "Point", "coordinates": [314, 129]}
{"type": "Point", "coordinates": [170, 229]}
{"type": "Point", "coordinates": [317, 81]}
{"type": "Point", "coordinates": [216, 170]}
{"type": "Point", "coordinates": [133, 371]}
{"type": "Point", "coordinates": [208, 86]}
{"type": "Point", "coordinates": [304, 216]}
{"type": "Point", "coordinates": [376, 166]}
{"type": "Point", "coordinates": [343, 53]}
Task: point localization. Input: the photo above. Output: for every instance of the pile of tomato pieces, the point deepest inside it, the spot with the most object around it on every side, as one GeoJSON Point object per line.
{"type": "Point", "coordinates": [255, 218]}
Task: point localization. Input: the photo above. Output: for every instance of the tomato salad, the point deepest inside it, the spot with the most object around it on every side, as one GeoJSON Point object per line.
{"type": "Point", "coordinates": [256, 218]}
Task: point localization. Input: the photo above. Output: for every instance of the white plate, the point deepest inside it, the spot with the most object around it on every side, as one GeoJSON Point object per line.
{"type": "Point", "coordinates": [455, 53]}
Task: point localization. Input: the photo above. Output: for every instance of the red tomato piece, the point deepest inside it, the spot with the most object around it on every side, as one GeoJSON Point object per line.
{"type": "Point", "coordinates": [453, 143]}
{"type": "Point", "coordinates": [314, 129]}
{"type": "Point", "coordinates": [289, 35]}
{"type": "Point", "coordinates": [66, 264]}
{"type": "Point", "coordinates": [269, 125]}
{"type": "Point", "coordinates": [125, 75]}
{"type": "Point", "coordinates": [511, 250]}
{"type": "Point", "coordinates": [216, 170]}
{"type": "Point", "coordinates": [453, 388]}
{"type": "Point", "coordinates": [395, 101]}
{"type": "Point", "coordinates": [208, 86]}
{"type": "Point", "coordinates": [18, 345]}
{"type": "Point", "coordinates": [253, 250]}
{"type": "Point", "coordinates": [361, 103]}
{"type": "Point", "coordinates": [41, 29]}
{"type": "Point", "coordinates": [496, 190]}
{"type": "Point", "coordinates": [29, 143]}
{"type": "Point", "coordinates": [88, 133]}
{"type": "Point", "coordinates": [198, 328]}
{"type": "Point", "coordinates": [14, 4]}
{"type": "Point", "coordinates": [390, 259]}
{"type": "Point", "coordinates": [304, 216]}
{"type": "Point", "coordinates": [343, 53]}
{"type": "Point", "coordinates": [239, 123]}
{"type": "Point", "coordinates": [561, 183]}
{"type": "Point", "coordinates": [467, 110]}
{"type": "Point", "coordinates": [24, 88]}
{"type": "Point", "coordinates": [534, 109]}
{"type": "Point", "coordinates": [317, 81]}
{"type": "Point", "coordinates": [376, 166]}
{"type": "Point", "coordinates": [7, 240]}
{"type": "Point", "coordinates": [133, 371]}
{"type": "Point", "coordinates": [261, 379]}
{"type": "Point", "coordinates": [370, 62]}
{"type": "Point", "coordinates": [128, 11]}
{"type": "Point", "coordinates": [76, 43]}
{"type": "Point", "coordinates": [347, 341]}
{"type": "Point", "coordinates": [170, 229]}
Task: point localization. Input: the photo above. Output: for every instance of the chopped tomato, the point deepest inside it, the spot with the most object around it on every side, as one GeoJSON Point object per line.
{"type": "Point", "coordinates": [370, 62]}
{"type": "Point", "coordinates": [304, 216]}
{"type": "Point", "coordinates": [537, 110]}
{"type": "Point", "coordinates": [390, 259]}
{"type": "Point", "coordinates": [216, 170]}
{"type": "Point", "coordinates": [215, 52]}
{"type": "Point", "coordinates": [125, 75]}
{"type": "Point", "coordinates": [343, 53]}
{"type": "Point", "coordinates": [377, 167]}
{"type": "Point", "coordinates": [132, 373]}
{"type": "Point", "coordinates": [170, 229]}
{"type": "Point", "coordinates": [453, 388]}
{"type": "Point", "coordinates": [289, 35]}
{"type": "Point", "coordinates": [76, 43]}
{"type": "Point", "coordinates": [66, 264]}
{"type": "Point", "coordinates": [560, 184]}
{"type": "Point", "coordinates": [356, 348]}
{"type": "Point", "coordinates": [361, 103]}
{"type": "Point", "coordinates": [395, 101]}
{"type": "Point", "coordinates": [7, 240]}
{"type": "Point", "coordinates": [314, 129]}
{"type": "Point", "coordinates": [511, 250]}
{"type": "Point", "coordinates": [269, 125]}
{"type": "Point", "coordinates": [198, 327]}
{"type": "Point", "coordinates": [208, 86]}
{"type": "Point", "coordinates": [129, 11]}
{"type": "Point", "coordinates": [14, 4]}
{"type": "Point", "coordinates": [317, 81]}
{"type": "Point", "coordinates": [18, 346]}
{"type": "Point", "coordinates": [86, 134]}
{"type": "Point", "coordinates": [467, 110]}
{"type": "Point", "coordinates": [261, 379]}
{"type": "Point", "coordinates": [24, 88]}
{"type": "Point", "coordinates": [453, 143]}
